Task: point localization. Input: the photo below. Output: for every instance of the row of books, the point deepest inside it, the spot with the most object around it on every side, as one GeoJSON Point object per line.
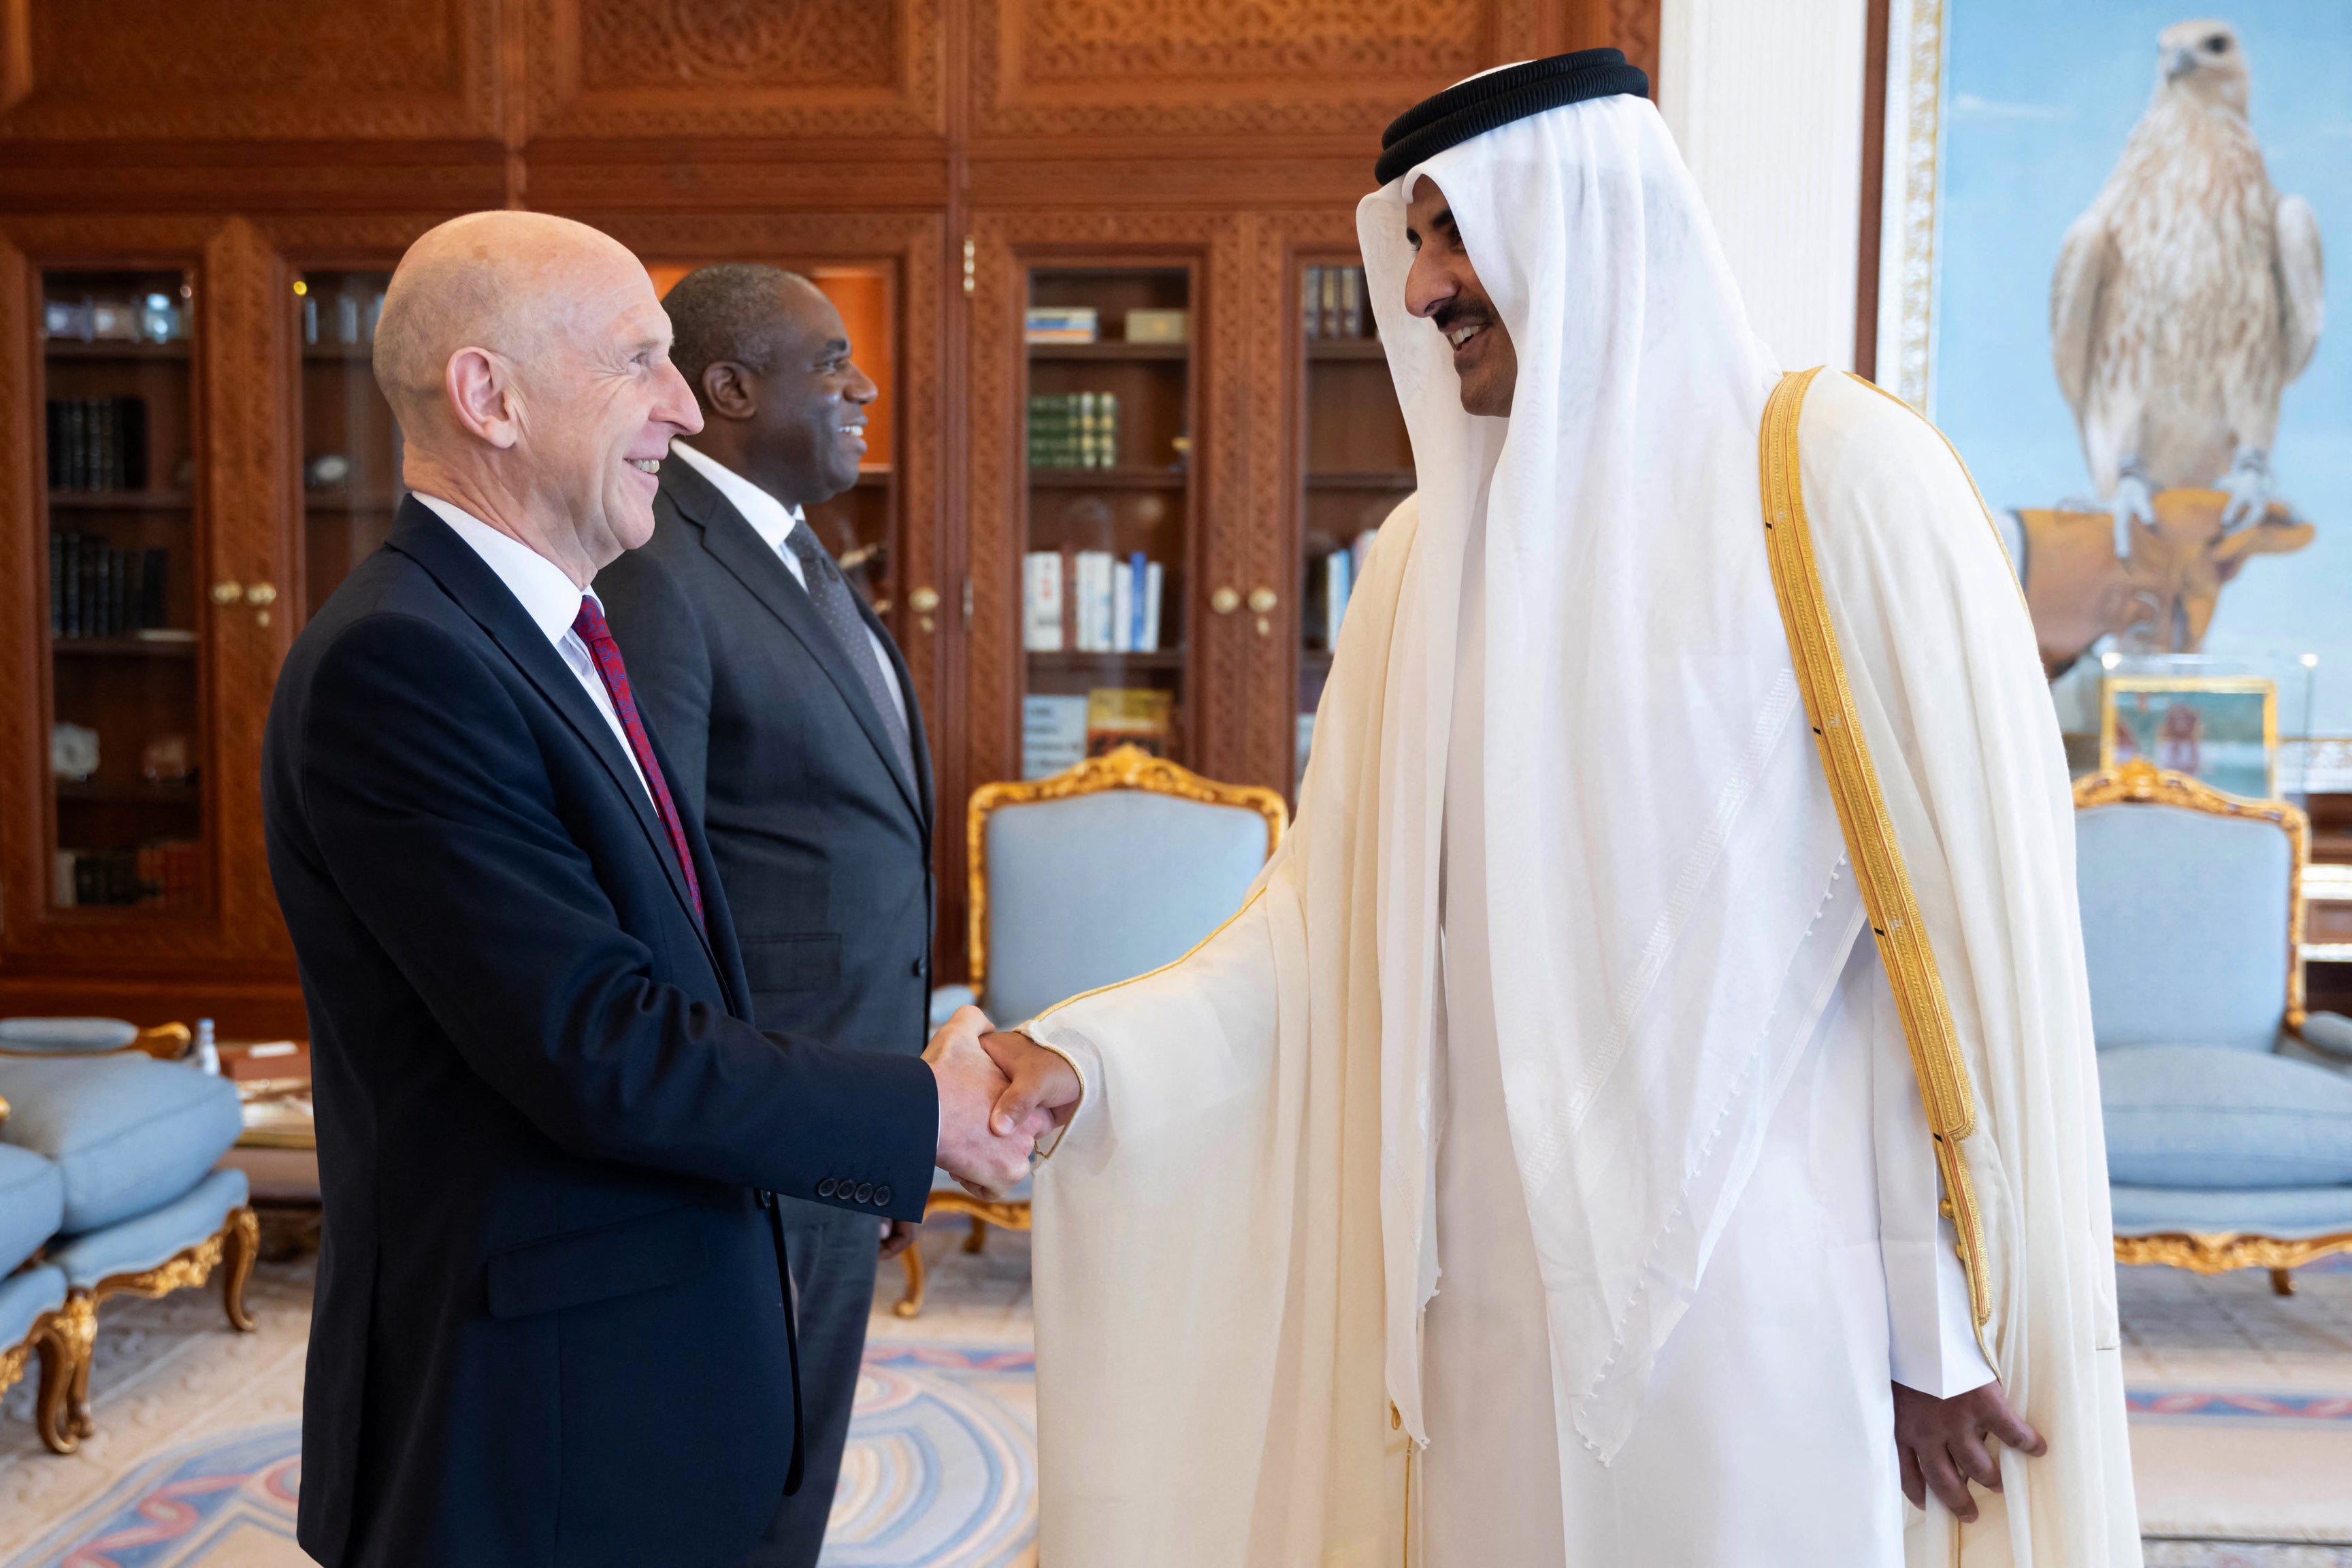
{"type": "Point", "coordinates": [1090, 601]}
{"type": "Point", "coordinates": [1058, 732]}
{"type": "Point", "coordinates": [97, 591]}
{"type": "Point", "coordinates": [168, 872]}
{"type": "Point", "coordinates": [1334, 303]}
{"type": "Point", "coordinates": [1073, 430]}
{"type": "Point", "coordinates": [98, 443]}
{"type": "Point", "coordinates": [1332, 584]}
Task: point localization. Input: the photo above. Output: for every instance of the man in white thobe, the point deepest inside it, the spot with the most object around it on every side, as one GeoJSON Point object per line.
{"type": "Point", "coordinates": [1542, 1168]}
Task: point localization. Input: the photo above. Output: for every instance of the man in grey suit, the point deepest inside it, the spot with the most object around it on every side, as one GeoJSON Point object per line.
{"type": "Point", "coordinates": [791, 724]}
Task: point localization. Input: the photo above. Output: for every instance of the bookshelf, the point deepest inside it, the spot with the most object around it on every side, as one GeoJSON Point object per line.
{"type": "Point", "coordinates": [120, 534]}
{"type": "Point", "coordinates": [1355, 463]}
{"type": "Point", "coordinates": [1108, 514]}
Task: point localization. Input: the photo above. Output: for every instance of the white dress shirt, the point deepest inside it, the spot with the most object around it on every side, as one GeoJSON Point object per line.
{"type": "Point", "coordinates": [549, 596]}
{"type": "Point", "coordinates": [773, 520]}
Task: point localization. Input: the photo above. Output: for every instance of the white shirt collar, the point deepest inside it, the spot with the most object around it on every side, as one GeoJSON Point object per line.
{"type": "Point", "coordinates": [770, 519]}
{"type": "Point", "coordinates": [547, 594]}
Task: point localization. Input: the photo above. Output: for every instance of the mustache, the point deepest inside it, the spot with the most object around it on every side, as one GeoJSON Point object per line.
{"type": "Point", "coordinates": [1461, 313]}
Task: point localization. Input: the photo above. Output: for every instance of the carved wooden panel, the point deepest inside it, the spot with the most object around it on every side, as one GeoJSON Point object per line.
{"type": "Point", "coordinates": [772, 68]}
{"type": "Point", "coordinates": [1251, 67]}
{"type": "Point", "coordinates": [236, 68]}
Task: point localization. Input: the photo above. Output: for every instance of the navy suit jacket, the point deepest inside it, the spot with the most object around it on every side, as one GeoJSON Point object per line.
{"type": "Point", "coordinates": [824, 842]}
{"type": "Point", "coordinates": [549, 1326]}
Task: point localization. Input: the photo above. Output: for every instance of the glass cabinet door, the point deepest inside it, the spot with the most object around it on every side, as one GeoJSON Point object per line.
{"type": "Point", "coordinates": [128, 739]}
{"type": "Point", "coordinates": [1358, 464]}
{"type": "Point", "coordinates": [351, 448]}
{"type": "Point", "coordinates": [1109, 513]}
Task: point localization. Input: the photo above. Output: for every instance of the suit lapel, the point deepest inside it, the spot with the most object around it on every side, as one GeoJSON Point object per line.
{"type": "Point", "coordinates": [737, 545]}
{"type": "Point", "coordinates": [468, 579]}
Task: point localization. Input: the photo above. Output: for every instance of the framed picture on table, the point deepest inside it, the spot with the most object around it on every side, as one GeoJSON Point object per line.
{"type": "Point", "coordinates": [2223, 733]}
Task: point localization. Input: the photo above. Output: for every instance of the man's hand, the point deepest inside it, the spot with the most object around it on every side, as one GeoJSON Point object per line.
{"type": "Point", "coordinates": [1942, 1443]}
{"type": "Point", "coordinates": [969, 1083]}
{"type": "Point", "coordinates": [1041, 1092]}
{"type": "Point", "coordinates": [898, 1235]}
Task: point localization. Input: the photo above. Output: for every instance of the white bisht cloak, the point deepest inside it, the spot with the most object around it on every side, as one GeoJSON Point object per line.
{"type": "Point", "coordinates": [1234, 1242]}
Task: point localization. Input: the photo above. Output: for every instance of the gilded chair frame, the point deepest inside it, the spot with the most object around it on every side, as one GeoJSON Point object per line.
{"type": "Point", "coordinates": [1125, 767]}
{"type": "Point", "coordinates": [2144, 784]}
{"type": "Point", "coordinates": [231, 1250]}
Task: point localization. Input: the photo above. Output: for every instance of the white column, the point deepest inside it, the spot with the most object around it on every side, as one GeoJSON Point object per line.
{"type": "Point", "coordinates": [1765, 98]}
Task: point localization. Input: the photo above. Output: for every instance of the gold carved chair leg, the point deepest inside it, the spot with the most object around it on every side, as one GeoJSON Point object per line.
{"type": "Point", "coordinates": [240, 1245]}
{"type": "Point", "coordinates": [2282, 1281]}
{"type": "Point", "coordinates": [912, 1303]}
{"type": "Point", "coordinates": [978, 1237]}
{"type": "Point", "coordinates": [65, 1343]}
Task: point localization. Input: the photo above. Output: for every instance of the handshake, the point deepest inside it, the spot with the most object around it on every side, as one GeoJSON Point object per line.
{"type": "Point", "coordinates": [999, 1093]}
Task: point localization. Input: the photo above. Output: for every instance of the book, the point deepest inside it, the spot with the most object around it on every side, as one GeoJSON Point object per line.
{"type": "Point", "coordinates": [1126, 716]}
{"type": "Point", "coordinates": [1139, 575]}
{"type": "Point", "coordinates": [1095, 592]}
{"type": "Point", "coordinates": [1053, 734]}
{"type": "Point", "coordinates": [1338, 582]}
{"type": "Point", "coordinates": [1154, 576]}
{"type": "Point", "coordinates": [1041, 600]}
{"type": "Point", "coordinates": [1329, 306]}
{"type": "Point", "coordinates": [1352, 302]}
{"type": "Point", "coordinates": [1062, 324]}
{"type": "Point", "coordinates": [1122, 607]}
{"type": "Point", "coordinates": [1310, 280]}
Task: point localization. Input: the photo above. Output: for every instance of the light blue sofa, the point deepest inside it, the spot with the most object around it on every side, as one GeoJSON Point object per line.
{"type": "Point", "coordinates": [1114, 868]}
{"type": "Point", "coordinates": [2229, 1110]}
{"type": "Point", "coordinates": [107, 1187]}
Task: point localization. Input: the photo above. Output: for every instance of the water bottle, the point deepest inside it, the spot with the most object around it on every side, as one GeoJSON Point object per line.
{"type": "Point", "coordinates": [205, 1053]}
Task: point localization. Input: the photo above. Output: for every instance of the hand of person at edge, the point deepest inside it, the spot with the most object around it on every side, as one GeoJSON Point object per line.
{"type": "Point", "coordinates": [1042, 1089]}
{"type": "Point", "coordinates": [1943, 1444]}
{"type": "Point", "coordinates": [986, 1163]}
{"type": "Point", "coordinates": [898, 1235]}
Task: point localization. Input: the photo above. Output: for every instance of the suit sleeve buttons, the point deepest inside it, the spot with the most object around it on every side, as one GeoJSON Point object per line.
{"type": "Point", "coordinates": [865, 1193]}
{"type": "Point", "coordinates": [882, 1197]}
{"type": "Point", "coordinates": [827, 1187]}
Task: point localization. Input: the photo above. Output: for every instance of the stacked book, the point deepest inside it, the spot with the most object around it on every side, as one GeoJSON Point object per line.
{"type": "Point", "coordinates": [97, 591]}
{"type": "Point", "coordinates": [1064, 323]}
{"type": "Point", "coordinates": [1090, 601]}
{"type": "Point", "coordinates": [1334, 303]}
{"type": "Point", "coordinates": [168, 872]}
{"type": "Point", "coordinates": [1073, 430]}
{"type": "Point", "coordinates": [98, 443]}
{"type": "Point", "coordinates": [1341, 569]}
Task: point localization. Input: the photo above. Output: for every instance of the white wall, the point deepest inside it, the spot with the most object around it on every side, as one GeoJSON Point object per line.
{"type": "Point", "coordinates": [1765, 98]}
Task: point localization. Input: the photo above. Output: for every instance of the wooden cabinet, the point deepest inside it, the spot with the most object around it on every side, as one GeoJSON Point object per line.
{"type": "Point", "coordinates": [236, 199]}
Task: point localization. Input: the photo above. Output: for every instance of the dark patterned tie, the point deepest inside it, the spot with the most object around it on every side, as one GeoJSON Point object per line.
{"type": "Point", "coordinates": [590, 624]}
{"type": "Point", "coordinates": [829, 592]}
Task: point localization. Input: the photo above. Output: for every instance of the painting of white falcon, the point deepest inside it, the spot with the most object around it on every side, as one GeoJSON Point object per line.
{"type": "Point", "coordinates": [2188, 297]}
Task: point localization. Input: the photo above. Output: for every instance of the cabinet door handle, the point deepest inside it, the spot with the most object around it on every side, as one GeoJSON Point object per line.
{"type": "Point", "coordinates": [1262, 601]}
{"type": "Point", "coordinates": [260, 595]}
{"type": "Point", "coordinates": [1224, 601]}
{"type": "Point", "coordinates": [227, 592]}
{"type": "Point", "coordinates": [925, 602]}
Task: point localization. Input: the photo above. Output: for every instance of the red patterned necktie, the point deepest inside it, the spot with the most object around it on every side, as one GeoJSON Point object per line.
{"type": "Point", "coordinates": [592, 630]}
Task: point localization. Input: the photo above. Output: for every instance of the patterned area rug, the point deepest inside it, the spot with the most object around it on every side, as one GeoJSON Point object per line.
{"type": "Point", "coordinates": [940, 1471]}
{"type": "Point", "coordinates": [2240, 1409]}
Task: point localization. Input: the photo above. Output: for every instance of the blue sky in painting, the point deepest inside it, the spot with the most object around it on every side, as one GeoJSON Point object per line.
{"type": "Point", "coordinates": [2038, 102]}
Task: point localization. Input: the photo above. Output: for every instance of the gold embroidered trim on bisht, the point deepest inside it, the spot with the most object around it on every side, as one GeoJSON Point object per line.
{"type": "Point", "coordinates": [1885, 883]}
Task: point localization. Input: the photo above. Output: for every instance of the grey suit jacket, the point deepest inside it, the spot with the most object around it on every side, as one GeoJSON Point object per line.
{"type": "Point", "coordinates": [823, 845]}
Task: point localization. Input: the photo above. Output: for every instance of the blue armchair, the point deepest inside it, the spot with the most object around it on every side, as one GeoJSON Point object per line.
{"type": "Point", "coordinates": [1114, 868]}
{"type": "Point", "coordinates": [2228, 1113]}
{"type": "Point", "coordinates": [107, 1188]}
